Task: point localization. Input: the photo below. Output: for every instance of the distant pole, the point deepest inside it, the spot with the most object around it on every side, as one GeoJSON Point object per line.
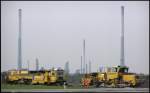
{"type": "Point", "coordinates": [83, 56]}
{"type": "Point", "coordinates": [81, 65]}
{"type": "Point", "coordinates": [37, 64]}
{"type": "Point", "coordinates": [19, 41]}
{"type": "Point", "coordinates": [28, 64]}
{"type": "Point", "coordinates": [86, 69]}
{"type": "Point", "coordinates": [122, 60]}
{"type": "Point", "coordinates": [67, 67]}
{"type": "Point", "coordinates": [89, 66]}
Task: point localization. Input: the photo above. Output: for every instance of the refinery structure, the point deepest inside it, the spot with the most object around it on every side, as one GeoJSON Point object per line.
{"type": "Point", "coordinates": [84, 65]}
{"type": "Point", "coordinates": [117, 77]}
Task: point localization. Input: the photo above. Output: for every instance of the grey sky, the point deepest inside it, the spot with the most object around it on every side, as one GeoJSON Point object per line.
{"type": "Point", "coordinates": [54, 32]}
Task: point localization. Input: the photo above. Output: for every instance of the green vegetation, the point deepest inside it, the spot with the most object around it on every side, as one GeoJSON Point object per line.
{"type": "Point", "coordinates": [21, 86]}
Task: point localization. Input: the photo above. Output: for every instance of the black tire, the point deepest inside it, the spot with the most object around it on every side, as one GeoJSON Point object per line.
{"type": "Point", "coordinates": [45, 83]}
{"type": "Point", "coordinates": [28, 82]}
{"type": "Point", "coordinates": [131, 85]}
{"type": "Point", "coordinates": [61, 83]}
{"type": "Point", "coordinates": [97, 84]}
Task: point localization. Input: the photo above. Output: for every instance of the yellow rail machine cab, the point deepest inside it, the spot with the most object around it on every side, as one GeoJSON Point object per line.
{"type": "Point", "coordinates": [39, 77]}
{"type": "Point", "coordinates": [12, 76]}
{"type": "Point", "coordinates": [116, 77]}
{"type": "Point", "coordinates": [126, 77]}
{"type": "Point", "coordinates": [53, 76]}
{"type": "Point", "coordinates": [61, 77]}
{"type": "Point", "coordinates": [17, 76]}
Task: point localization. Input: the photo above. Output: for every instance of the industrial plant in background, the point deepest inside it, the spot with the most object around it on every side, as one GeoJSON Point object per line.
{"type": "Point", "coordinates": [25, 76]}
{"type": "Point", "coordinates": [114, 76]}
{"type": "Point", "coordinates": [85, 67]}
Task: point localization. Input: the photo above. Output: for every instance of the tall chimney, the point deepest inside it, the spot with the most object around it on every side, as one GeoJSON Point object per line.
{"type": "Point", "coordinates": [122, 60]}
{"type": "Point", "coordinates": [37, 64]}
{"type": "Point", "coordinates": [89, 66]}
{"type": "Point", "coordinates": [81, 66]}
{"type": "Point", "coordinates": [84, 57]}
{"type": "Point", "coordinates": [86, 69]}
{"type": "Point", "coordinates": [19, 41]}
{"type": "Point", "coordinates": [28, 65]}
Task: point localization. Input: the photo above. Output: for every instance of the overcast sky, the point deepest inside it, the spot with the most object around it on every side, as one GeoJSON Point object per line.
{"type": "Point", "coordinates": [54, 32]}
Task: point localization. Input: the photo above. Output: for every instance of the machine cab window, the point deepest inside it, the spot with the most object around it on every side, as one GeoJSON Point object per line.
{"type": "Point", "coordinates": [122, 69]}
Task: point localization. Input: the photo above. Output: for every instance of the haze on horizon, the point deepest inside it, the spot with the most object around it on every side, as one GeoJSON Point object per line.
{"type": "Point", "coordinates": [54, 31]}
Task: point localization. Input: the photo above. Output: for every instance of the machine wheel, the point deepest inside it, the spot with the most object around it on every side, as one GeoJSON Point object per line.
{"type": "Point", "coordinates": [100, 84]}
{"type": "Point", "coordinates": [97, 85]}
{"type": "Point", "coordinates": [114, 83]}
{"type": "Point", "coordinates": [28, 81]}
{"type": "Point", "coordinates": [131, 85]}
{"type": "Point", "coordinates": [45, 83]}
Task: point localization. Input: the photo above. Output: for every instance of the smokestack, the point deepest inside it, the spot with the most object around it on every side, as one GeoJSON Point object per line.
{"type": "Point", "coordinates": [67, 70]}
{"type": "Point", "coordinates": [86, 68]}
{"type": "Point", "coordinates": [83, 56]}
{"type": "Point", "coordinates": [37, 64]}
{"type": "Point", "coordinates": [122, 60]}
{"type": "Point", "coordinates": [81, 65]}
{"type": "Point", "coordinates": [19, 41]}
{"type": "Point", "coordinates": [89, 66]}
{"type": "Point", "coordinates": [28, 64]}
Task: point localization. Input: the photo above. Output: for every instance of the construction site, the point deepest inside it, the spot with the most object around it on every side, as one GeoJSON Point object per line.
{"type": "Point", "coordinates": [106, 79]}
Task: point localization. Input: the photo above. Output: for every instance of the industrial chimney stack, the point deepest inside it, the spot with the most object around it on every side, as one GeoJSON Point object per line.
{"type": "Point", "coordinates": [84, 67]}
{"type": "Point", "coordinates": [122, 60]}
{"type": "Point", "coordinates": [89, 66]}
{"type": "Point", "coordinates": [81, 66]}
{"type": "Point", "coordinates": [37, 64]}
{"type": "Point", "coordinates": [28, 65]}
{"type": "Point", "coordinates": [19, 41]}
